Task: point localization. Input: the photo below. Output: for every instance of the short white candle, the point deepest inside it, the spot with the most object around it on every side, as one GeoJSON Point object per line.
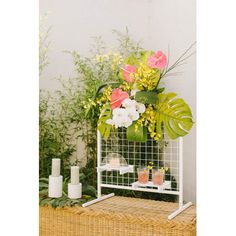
{"type": "Point", "coordinates": [74, 174]}
{"type": "Point", "coordinates": [56, 166]}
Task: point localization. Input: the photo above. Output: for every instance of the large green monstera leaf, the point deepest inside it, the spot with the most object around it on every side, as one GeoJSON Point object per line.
{"type": "Point", "coordinates": [174, 114]}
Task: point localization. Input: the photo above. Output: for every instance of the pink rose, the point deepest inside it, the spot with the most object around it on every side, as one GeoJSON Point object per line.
{"type": "Point", "coordinates": [117, 97]}
{"type": "Point", "coordinates": [158, 60]}
{"type": "Point", "coordinates": [127, 73]}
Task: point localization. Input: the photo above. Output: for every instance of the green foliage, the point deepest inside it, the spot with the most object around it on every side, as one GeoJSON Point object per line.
{"type": "Point", "coordinates": [160, 90]}
{"type": "Point", "coordinates": [111, 84]}
{"type": "Point", "coordinates": [145, 54]}
{"type": "Point", "coordinates": [137, 133]}
{"type": "Point", "coordinates": [44, 43]}
{"type": "Point", "coordinates": [127, 46]}
{"type": "Point", "coordinates": [179, 62]}
{"type": "Point", "coordinates": [55, 134]}
{"type": "Point", "coordinates": [132, 60]}
{"type": "Point", "coordinates": [175, 114]}
{"type": "Point", "coordinates": [103, 127]}
{"type": "Point", "coordinates": [136, 58]}
{"type": "Point", "coordinates": [70, 112]}
{"type": "Point", "coordinates": [146, 97]}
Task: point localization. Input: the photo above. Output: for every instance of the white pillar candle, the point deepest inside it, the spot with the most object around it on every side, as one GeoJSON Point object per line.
{"type": "Point", "coordinates": [74, 191]}
{"type": "Point", "coordinates": [56, 166]}
{"type": "Point", "coordinates": [74, 175]}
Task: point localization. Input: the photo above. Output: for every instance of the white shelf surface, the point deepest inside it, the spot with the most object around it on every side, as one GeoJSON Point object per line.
{"type": "Point", "coordinates": [165, 185]}
{"type": "Point", "coordinates": [121, 169]}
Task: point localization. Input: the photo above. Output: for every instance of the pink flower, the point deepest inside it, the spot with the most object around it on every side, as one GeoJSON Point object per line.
{"type": "Point", "coordinates": [127, 73]}
{"type": "Point", "coordinates": [158, 60]}
{"type": "Point", "coordinates": [117, 97]}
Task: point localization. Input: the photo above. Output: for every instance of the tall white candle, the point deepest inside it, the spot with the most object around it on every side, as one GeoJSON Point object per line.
{"type": "Point", "coordinates": [74, 174]}
{"type": "Point", "coordinates": [56, 166]}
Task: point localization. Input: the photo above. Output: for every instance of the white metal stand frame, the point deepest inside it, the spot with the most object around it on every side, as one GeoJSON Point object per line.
{"type": "Point", "coordinates": [182, 206]}
{"type": "Point", "coordinates": [178, 191]}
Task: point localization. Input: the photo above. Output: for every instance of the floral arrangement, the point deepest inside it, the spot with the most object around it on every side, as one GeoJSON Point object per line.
{"type": "Point", "coordinates": [138, 102]}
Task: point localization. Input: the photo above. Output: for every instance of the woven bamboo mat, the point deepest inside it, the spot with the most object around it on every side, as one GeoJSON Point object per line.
{"type": "Point", "coordinates": [118, 216]}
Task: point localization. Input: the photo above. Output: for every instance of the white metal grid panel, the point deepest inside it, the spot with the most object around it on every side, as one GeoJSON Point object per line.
{"type": "Point", "coordinates": [162, 154]}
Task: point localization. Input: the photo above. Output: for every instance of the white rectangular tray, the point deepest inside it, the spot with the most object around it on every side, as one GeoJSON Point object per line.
{"type": "Point", "coordinates": [165, 185]}
{"type": "Point", "coordinates": [121, 169]}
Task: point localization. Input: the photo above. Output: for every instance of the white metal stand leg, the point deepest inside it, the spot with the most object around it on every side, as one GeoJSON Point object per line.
{"type": "Point", "coordinates": [99, 189]}
{"type": "Point", "coordinates": [99, 199]}
{"type": "Point", "coordinates": [99, 163]}
{"type": "Point", "coordinates": [181, 206]}
{"type": "Point", "coordinates": [178, 211]}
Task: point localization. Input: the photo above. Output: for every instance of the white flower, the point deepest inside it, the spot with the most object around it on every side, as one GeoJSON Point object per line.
{"type": "Point", "coordinates": [125, 122]}
{"type": "Point", "coordinates": [121, 118]}
{"type": "Point", "coordinates": [133, 114]}
{"type": "Point", "coordinates": [119, 112]}
{"type": "Point", "coordinates": [128, 103]}
{"type": "Point", "coordinates": [110, 122]}
{"type": "Point", "coordinates": [117, 123]}
{"type": "Point", "coordinates": [140, 107]}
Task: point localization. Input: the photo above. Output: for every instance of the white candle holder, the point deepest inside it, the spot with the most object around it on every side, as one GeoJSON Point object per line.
{"type": "Point", "coordinates": [55, 186]}
{"type": "Point", "coordinates": [74, 191]}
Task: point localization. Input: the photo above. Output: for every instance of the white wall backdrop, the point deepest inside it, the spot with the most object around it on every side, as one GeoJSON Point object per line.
{"type": "Point", "coordinates": [158, 23]}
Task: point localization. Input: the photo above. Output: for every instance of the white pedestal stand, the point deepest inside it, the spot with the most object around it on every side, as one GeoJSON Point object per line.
{"type": "Point", "coordinates": [55, 186]}
{"type": "Point", "coordinates": [74, 191]}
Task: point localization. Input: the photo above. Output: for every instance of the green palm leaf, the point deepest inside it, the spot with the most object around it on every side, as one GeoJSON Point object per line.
{"type": "Point", "coordinates": [175, 114]}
